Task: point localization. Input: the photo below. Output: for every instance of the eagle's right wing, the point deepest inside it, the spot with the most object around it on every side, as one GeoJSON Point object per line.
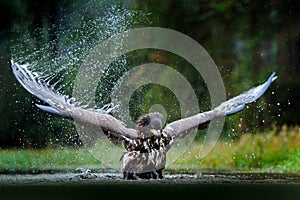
{"type": "Point", "coordinates": [181, 128]}
{"type": "Point", "coordinates": [62, 105]}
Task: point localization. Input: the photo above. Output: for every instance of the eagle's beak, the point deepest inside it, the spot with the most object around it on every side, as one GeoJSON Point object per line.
{"type": "Point", "coordinates": [156, 132]}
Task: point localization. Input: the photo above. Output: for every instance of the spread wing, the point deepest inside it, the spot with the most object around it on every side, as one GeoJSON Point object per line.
{"type": "Point", "coordinates": [180, 128]}
{"type": "Point", "coordinates": [62, 105]}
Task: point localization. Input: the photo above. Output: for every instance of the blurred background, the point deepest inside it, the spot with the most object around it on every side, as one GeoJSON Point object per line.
{"type": "Point", "coordinates": [248, 40]}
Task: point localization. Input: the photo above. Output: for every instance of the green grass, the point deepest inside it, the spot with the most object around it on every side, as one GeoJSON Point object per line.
{"type": "Point", "coordinates": [272, 151]}
{"type": "Point", "coordinates": [24, 160]}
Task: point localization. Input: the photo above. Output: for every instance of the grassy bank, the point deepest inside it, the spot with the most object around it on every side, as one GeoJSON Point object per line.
{"type": "Point", "coordinates": [25, 160]}
{"type": "Point", "coordinates": [272, 151]}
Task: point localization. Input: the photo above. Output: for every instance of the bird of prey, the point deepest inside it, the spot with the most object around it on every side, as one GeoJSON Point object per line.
{"type": "Point", "coordinates": [146, 145]}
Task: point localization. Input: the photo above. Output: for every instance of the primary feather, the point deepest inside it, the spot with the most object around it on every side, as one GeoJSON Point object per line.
{"type": "Point", "coordinates": [62, 105]}
{"type": "Point", "coordinates": [181, 128]}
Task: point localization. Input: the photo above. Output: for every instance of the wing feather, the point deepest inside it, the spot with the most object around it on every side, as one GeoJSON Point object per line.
{"type": "Point", "coordinates": [181, 128]}
{"type": "Point", "coordinates": [64, 106]}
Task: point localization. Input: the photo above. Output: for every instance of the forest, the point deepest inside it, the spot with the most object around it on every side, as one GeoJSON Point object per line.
{"type": "Point", "coordinates": [247, 40]}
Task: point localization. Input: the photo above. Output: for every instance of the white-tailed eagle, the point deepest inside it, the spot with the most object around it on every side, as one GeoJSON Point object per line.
{"type": "Point", "coordinates": [146, 145]}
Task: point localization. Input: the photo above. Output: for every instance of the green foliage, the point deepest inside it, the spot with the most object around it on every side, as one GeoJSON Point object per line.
{"type": "Point", "coordinates": [291, 163]}
{"type": "Point", "coordinates": [20, 160]}
{"type": "Point", "coordinates": [271, 151]}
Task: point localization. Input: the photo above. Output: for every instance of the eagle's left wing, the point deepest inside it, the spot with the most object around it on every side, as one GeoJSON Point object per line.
{"type": "Point", "coordinates": [180, 128]}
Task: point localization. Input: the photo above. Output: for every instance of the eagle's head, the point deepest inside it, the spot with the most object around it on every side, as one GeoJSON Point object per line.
{"type": "Point", "coordinates": [149, 125]}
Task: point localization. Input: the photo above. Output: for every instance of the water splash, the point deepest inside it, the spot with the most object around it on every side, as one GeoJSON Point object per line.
{"type": "Point", "coordinates": [57, 50]}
